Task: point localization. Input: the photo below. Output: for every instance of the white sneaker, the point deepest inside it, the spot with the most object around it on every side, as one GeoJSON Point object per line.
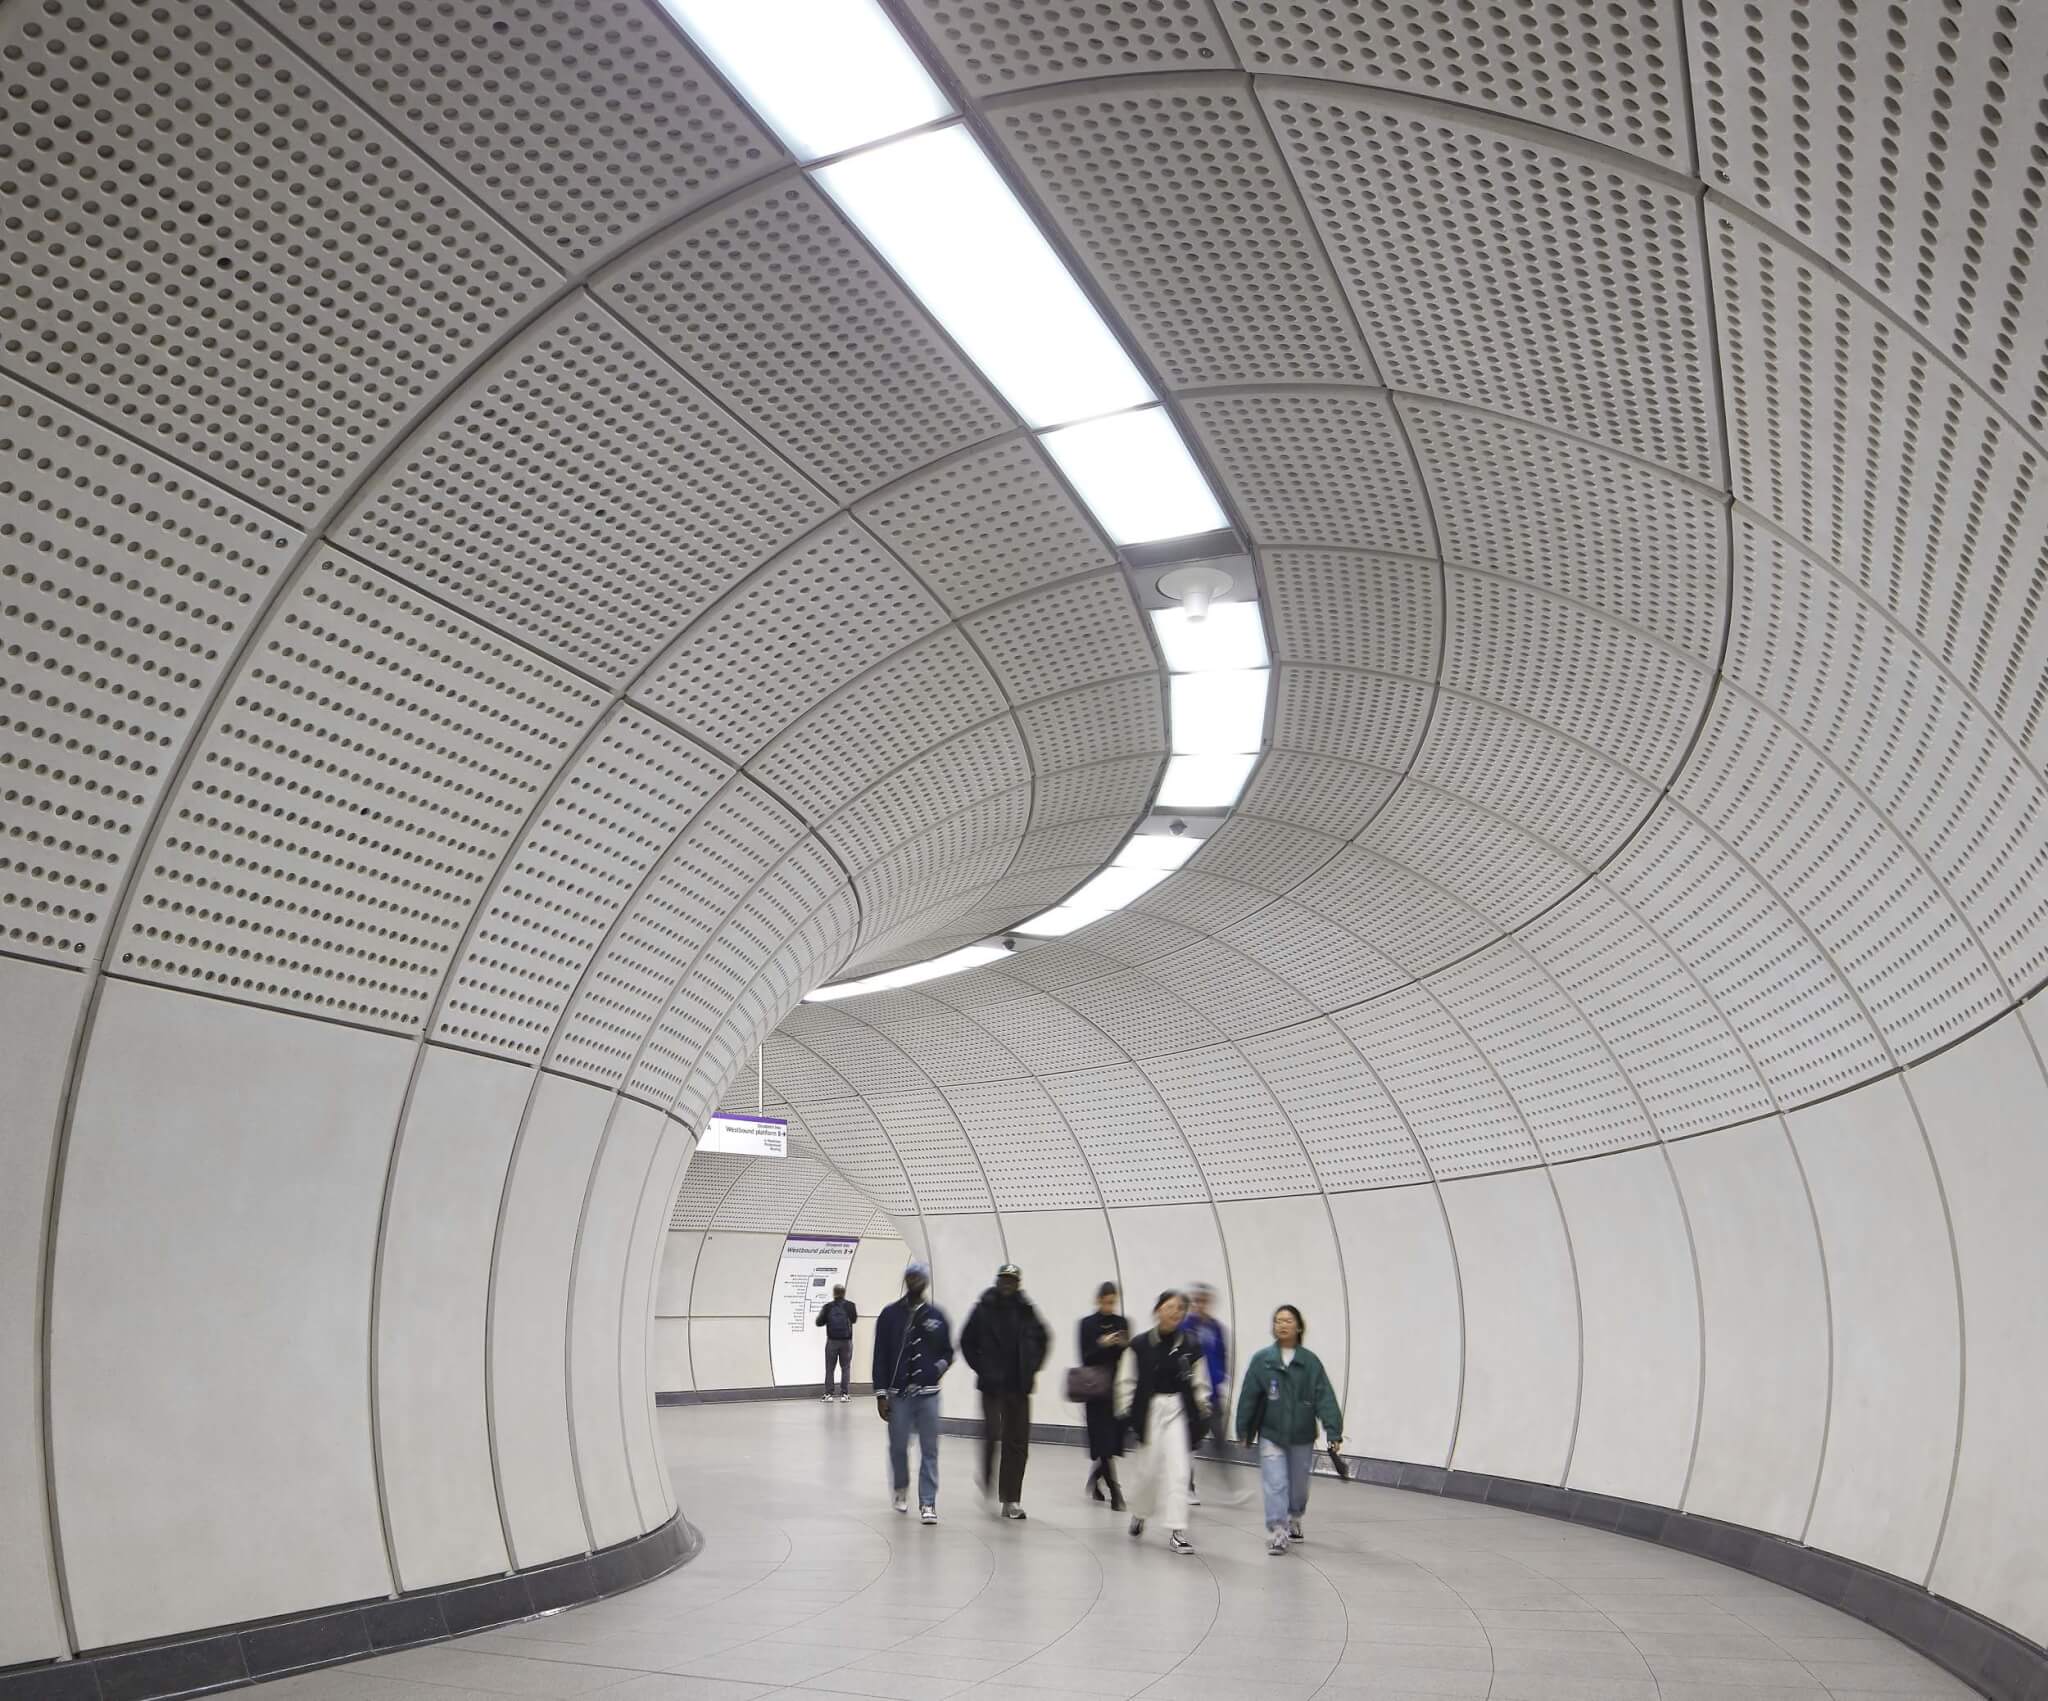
{"type": "Point", "coordinates": [1177, 1542]}
{"type": "Point", "coordinates": [1276, 1543]}
{"type": "Point", "coordinates": [928, 1514]}
{"type": "Point", "coordinates": [1294, 1530]}
{"type": "Point", "coordinates": [902, 1503]}
{"type": "Point", "coordinates": [828, 1393]}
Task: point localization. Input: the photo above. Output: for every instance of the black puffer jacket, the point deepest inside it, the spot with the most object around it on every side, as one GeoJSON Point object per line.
{"type": "Point", "coordinates": [1004, 1342]}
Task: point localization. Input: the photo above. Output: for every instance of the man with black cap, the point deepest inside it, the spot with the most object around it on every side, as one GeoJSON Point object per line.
{"type": "Point", "coordinates": [1004, 1343]}
{"type": "Point", "coordinates": [913, 1348]}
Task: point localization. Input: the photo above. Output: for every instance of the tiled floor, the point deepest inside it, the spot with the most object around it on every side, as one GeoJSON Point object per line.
{"type": "Point", "coordinates": [810, 1586]}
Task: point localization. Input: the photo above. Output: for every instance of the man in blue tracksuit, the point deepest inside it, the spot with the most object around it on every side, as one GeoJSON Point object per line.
{"type": "Point", "coordinates": [913, 1349]}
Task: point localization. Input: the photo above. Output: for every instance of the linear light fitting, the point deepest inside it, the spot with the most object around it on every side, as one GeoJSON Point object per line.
{"type": "Point", "coordinates": [1230, 635]}
{"type": "Point", "coordinates": [1219, 714]}
{"type": "Point", "coordinates": [1155, 850]}
{"type": "Point", "coordinates": [1115, 887]}
{"type": "Point", "coordinates": [943, 217]}
{"type": "Point", "coordinates": [1136, 475]}
{"type": "Point", "coordinates": [967, 957]}
{"type": "Point", "coordinates": [827, 75]}
{"type": "Point", "coordinates": [1058, 922]}
{"type": "Point", "coordinates": [1204, 782]}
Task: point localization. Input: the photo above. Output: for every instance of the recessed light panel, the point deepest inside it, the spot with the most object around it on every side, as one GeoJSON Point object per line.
{"type": "Point", "coordinates": [1204, 782]}
{"type": "Point", "coordinates": [1136, 476]}
{"type": "Point", "coordinates": [826, 75]}
{"type": "Point", "coordinates": [945, 220]}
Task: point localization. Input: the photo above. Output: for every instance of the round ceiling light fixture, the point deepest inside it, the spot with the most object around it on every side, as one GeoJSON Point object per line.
{"type": "Point", "coordinates": [1195, 587]}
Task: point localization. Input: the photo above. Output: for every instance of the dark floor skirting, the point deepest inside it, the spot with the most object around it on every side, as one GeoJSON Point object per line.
{"type": "Point", "coordinates": [236, 1654]}
{"type": "Point", "coordinates": [1989, 1657]}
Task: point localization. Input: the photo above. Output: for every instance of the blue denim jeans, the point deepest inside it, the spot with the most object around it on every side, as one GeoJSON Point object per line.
{"type": "Point", "coordinates": [918, 1412]}
{"type": "Point", "coordinates": [1283, 1474]}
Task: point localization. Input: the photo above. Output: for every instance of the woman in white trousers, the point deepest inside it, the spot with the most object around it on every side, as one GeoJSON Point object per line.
{"type": "Point", "coordinates": [1162, 1399]}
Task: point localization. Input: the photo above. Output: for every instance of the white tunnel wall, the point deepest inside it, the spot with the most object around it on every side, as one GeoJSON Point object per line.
{"type": "Point", "coordinates": [38, 1008]}
{"type": "Point", "coordinates": [653, 615]}
{"type": "Point", "coordinates": [211, 1295]}
{"type": "Point", "coordinates": [1750, 1301]}
{"type": "Point", "coordinates": [433, 1315]}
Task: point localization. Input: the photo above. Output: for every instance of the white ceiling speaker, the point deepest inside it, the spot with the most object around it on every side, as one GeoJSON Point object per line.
{"type": "Point", "coordinates": [1195, 588]}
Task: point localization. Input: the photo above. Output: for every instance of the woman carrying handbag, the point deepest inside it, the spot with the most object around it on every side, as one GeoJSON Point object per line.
{"type": "Point", "coordinates": [1103, 1336]}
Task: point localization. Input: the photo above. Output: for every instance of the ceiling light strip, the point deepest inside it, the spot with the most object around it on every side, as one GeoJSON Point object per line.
{"type": "Point", "coordinates": [832, 76]}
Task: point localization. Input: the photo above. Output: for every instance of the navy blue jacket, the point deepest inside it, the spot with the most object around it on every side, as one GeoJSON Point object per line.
{"type": "Point", "coordinates": [894, 1359]}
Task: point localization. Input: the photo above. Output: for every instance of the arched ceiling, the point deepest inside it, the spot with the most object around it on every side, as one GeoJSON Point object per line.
{"type": "Point", "coordinates": [492, 555]}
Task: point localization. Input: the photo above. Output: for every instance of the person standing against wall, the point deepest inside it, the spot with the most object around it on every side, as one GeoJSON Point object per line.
{"type": "Point", "coordinates": [1162, 1398]}
{"type": "Point", "coordinates": [837, 1317]}
{"type": "Point", "coordinates": [1286, 1393]}
{"type": "Point", "coordinates": [913, 1349]}
{"type": "Point", "coordinates": [1004, 1344]}
{"type": "Point", "coordinates": [1103, 1335]}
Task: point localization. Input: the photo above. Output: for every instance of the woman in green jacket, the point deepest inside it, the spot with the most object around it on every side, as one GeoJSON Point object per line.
{"type": "Point", "coordinates": [1286, 1390]}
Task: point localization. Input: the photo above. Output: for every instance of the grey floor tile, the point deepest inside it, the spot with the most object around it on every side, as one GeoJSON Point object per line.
{"type": "Point", "coordinates": [811, 1588]}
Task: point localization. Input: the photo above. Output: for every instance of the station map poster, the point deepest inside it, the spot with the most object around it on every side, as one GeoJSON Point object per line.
{"type": "Point", "coordinates": [811, 1263]}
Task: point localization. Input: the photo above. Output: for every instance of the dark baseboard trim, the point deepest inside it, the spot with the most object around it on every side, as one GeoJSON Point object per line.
{"type": "Point", "coordinates": [1992, 1659]}
{"type": "Point", "coordinates": [726, 1396]}
{"type": "Point", "coordinates": [237, 1654]}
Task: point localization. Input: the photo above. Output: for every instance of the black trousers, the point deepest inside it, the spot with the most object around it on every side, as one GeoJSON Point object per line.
{"type": "Point", "coordinates": [1006, 1429]}
{"type": "Point", "coordinates": [841, 1354]}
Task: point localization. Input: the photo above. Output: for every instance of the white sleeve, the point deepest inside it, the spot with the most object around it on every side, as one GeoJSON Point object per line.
{"type": "Point", "coordinates": [1126, 1382]}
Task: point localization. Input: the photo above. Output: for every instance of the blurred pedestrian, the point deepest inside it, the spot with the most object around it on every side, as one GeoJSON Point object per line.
{"type": "Point", "coordinates": [1286, 1393]}
{"type": "Point", "coordinates": [1162, 1398]}
{"type": "Point", "coordinates": [913, 1349]}
{"type": "Point", "coordinates": [1206, 1330]}
{"type": "Point", "coordinates": [1103, 1335]}
{"type": "Point", "coordinates": [1004, 1344]}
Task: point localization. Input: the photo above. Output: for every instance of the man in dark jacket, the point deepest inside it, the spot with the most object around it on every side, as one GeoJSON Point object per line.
{"type": "Point", "coordinates": [913, 1349]}
{"type": "Point", "coordinates": [837, 1317]}
{"type": "Point", "coordinates": [1004, 1342]}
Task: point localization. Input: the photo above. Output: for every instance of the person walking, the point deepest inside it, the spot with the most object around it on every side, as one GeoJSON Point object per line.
{"type": "Point", "coordinates": [1206, 1330]}
{"type": "Point", "coordinates": [1101, 1338]}
{"type": "Point", "coordinates": [1286, 1393]}
{"type": "Point", "coordinates": [837, 1317]}
{"type": "Point", "coordinates": [913, 1349]}
{"type": "Point", "coordinates": [1162, 1400]}
{"type": "Point", "coordinates": [1004, 1344]}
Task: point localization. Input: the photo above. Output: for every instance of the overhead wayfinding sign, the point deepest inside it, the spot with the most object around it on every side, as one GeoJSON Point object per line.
{"type": "Point", "coordinates": [748, 1136]}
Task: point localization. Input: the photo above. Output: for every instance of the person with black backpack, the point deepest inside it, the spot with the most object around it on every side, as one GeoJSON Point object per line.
{"type": "Point", "coordinates": [837, 1317]}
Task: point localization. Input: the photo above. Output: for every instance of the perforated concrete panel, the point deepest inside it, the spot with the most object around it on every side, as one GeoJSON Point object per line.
{"type": "Point", "coordinates": [1240, 1137]}
{"type": "Point", "coordinates": [1613, 74]}
{"type": "Point", "coordinates": [829, 607]}
{"type": "Point", "coordinates": [772, 302]}
{"type": "Point", "coordinates": [986, 525]}
{"type": "Point", "coordinates": [270, 307]}
{"type": "Point", "coordinates": [1443, 1087]}
{"type": "Point", "coordinates": [1923, 191]}
{"type": "Point", "coordinates": [1354, 609]}
{"type": "Point", "coordinates": [372, 760]}
{"type": "Point", "coordinates": [584, 123]}
{"type": "Point", "coordinates": [1317, 467]}
{"type": "Point", "coordinates": [992, 47]}
{"type": "Point", "coordinates": [584, 495]}
{"type": "Point", "coordinates": [1067, 635]}
{"type": "Point", "coordinates": [616, 810]}
{"type": "Point", "coordinates": [1158, 184]}
{"type": "Point", "coordinates": [1593, 319]}
{"type": "Point", "coordinates": [1596, 527]}
{"type": "Point", "coordinates": [97, 535]}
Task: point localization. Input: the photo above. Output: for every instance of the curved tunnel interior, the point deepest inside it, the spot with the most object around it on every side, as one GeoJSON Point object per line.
{"type": "Point", "coordinates": [507, 592]}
